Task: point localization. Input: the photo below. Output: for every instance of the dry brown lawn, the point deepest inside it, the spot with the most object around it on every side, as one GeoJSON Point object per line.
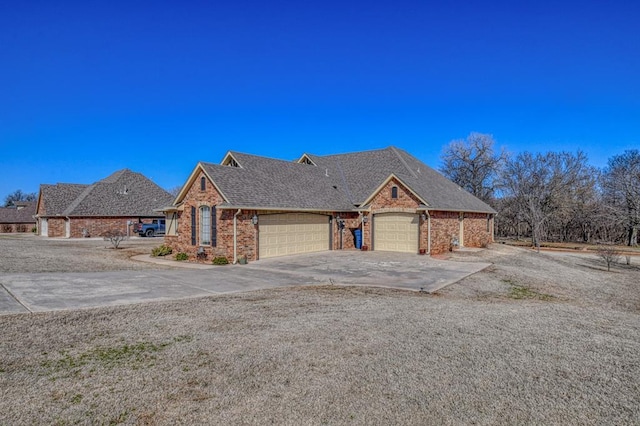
{"type": "Point", "coordinates": [536, 338]}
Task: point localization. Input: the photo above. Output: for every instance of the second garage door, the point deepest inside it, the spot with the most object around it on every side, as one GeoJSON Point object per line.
{"type": "Point", "coordinates": [396, 232]}
{"type": "Point", "coordinates": [293, 233]}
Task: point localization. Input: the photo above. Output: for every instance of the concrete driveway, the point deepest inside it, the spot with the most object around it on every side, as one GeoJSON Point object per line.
{"type": "Point", "coordinates": [60, 291]}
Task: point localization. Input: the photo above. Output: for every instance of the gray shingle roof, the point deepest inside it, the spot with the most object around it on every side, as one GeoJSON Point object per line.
{"type": "Point", "coordinates": [23, 214]}
{"type": "Point", "coordinates": [58, 197]}
{"type": "Point", "coordinates": [124, 193]}
{"type": "Point", "coordinates": [365, 171]}
{"type": "Point", "coordinates": [336, 182]}
{"type": "Point", "coordinates": [270, 183]}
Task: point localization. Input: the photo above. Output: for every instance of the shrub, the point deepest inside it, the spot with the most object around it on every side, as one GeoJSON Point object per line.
{"type": "Point", "coordinates": [115, 237]}
{"type": "Point", "coordinates": [163, 250]}
{"type": "Point", "coordinates": [220, 260]}
{"type": "Point", "coordinates": [182, 256]}
{"type": "Point", "coordinates": [34, 229]}
{"type": "Point", "coordinates": [609, 253]}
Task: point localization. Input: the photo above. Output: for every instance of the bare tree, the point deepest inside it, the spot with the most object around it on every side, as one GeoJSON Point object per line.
{"type": "Point", "coordinates": [18, 196]}
{"type": "Point", "coordinates": [175, 190]}
{"type": "Point", "coordinates": [621, 191]}
{"type": "Point", "coordinates": [115, 237]}
{"type": "Point", "coordinates": [540, 185]}
{"type": "Point", "coordinates": [609, 253]}
{"type": "Point", "coordinates": [474, 165]}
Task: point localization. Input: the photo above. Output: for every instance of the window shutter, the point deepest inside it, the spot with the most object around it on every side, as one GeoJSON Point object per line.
{"type": "Point", "coordinates": [214, 230]}
{"type": "Point", "coordinates": [193, 226]}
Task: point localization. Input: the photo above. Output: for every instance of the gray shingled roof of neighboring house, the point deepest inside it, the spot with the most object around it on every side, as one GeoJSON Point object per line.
{"type": "Point", "coordinates": [336, 182]}
{"type": "Point", "coordinates": [23, 214]}
{"type": "Point", "coordinates": [124, 193]}
{"type": "Point", "coordinates": [56, 198]}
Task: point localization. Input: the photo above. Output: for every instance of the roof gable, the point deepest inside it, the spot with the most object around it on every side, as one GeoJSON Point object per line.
{"type": "Point", "coordinates": [385, 182]}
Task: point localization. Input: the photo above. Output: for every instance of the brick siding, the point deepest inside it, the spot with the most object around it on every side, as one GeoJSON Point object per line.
{"type": "Point", "coordinates": [16, 227]}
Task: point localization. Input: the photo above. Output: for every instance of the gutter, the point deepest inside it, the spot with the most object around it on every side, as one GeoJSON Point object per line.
{"type": "Point", "coordinates": [235, 236]}
{"type": "Point", "coordinates": [282, 209]}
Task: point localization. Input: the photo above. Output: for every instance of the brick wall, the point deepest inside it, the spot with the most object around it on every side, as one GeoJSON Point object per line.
{"type": "Point", "coordinates": [97, 226]}
{"type": "Point", "coordinates": [16, 227]}
{"type": "Point", "coordinates": [196, 197]}
{"type": "Point", "coordinates": [351, 223]}
{"type": "Point", "coordinates": [56, 227]}
{"type": "Point", "coordinates": [446, 225]}
{"type": "Point", "coordinates": [476, 233]}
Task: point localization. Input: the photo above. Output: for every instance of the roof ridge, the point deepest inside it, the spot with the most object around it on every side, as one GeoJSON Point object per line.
{"type": "Point", "coordinates": [404, 163]}
{"type": "Point", "coordinates": [78, 199]}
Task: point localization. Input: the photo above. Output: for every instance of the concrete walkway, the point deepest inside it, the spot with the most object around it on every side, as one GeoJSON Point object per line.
{"type": "Point", "coordinates": [60, 291]}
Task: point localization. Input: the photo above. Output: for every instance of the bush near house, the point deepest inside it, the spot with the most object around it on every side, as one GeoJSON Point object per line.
{"type": "Point", "coordinates": [163, 250]}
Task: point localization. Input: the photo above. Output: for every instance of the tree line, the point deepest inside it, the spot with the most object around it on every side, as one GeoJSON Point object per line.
{"type": "Point", "coordinates": [550, 196]}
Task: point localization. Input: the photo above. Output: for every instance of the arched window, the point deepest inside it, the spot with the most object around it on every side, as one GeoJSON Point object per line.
{"type": "Point", "coordinates": [394, 192]}
{"type": "Point", "coordinates": [205, 225]}
{"type": "Point", "coordinates": [203, 183]}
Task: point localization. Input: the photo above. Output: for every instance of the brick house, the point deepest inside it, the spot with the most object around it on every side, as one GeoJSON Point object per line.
{"type": "Point", "coordinates": [18, 218]}
{"type": "Point", "coordinates": [111, 204]}
{"type": "Point", "coordinates": [256, 207]}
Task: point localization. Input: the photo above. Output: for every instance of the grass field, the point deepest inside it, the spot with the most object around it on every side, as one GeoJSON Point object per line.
{"type": "Point", "coordinates": [536, 338]}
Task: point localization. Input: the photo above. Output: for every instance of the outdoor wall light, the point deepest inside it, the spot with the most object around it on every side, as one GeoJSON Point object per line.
{"type": "Point", "coordinates": [365, 219]}
{"type": "Point", "coordinates": [254, 219]}
{"type": "Point", "coordinates": [424, 217]}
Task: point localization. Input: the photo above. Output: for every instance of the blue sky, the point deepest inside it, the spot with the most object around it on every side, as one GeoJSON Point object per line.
{"type": "Point", "coordinates": [90, 87]}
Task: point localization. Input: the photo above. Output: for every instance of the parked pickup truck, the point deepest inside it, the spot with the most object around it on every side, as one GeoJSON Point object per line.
{"type": "Point", "coordinates": [149, 229]}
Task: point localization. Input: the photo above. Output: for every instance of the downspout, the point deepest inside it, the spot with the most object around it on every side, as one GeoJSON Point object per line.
{"type": "Point", "coordinates": [235, 236]}
{"type": "Point", "coordinates": [428, 232]}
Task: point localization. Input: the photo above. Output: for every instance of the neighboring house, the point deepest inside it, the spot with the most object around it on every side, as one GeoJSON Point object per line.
{"type": "Point", "coordinates": [77, 210]}
{"type": "Point", "coordinates": [19, 217]}
{"type": "Point", "coordinates": [257, 207]}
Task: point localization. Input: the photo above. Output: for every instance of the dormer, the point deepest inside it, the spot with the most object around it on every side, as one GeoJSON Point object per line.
{"type": "Point", "coordinates": [230, 160]}
{"type": "Point", "coordinates": [305, 159]}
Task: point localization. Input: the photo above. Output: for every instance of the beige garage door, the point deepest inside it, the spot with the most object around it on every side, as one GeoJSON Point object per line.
{"type": "Point", "coordinates": [395, 232]}
{"type": "Point", "coordinates": [293, 233]}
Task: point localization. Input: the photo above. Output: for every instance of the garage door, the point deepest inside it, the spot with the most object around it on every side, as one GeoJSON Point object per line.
{"type": "Point", "coordinates": [396, 232]}
{"type": "Point", "coordinates": [293, 233]}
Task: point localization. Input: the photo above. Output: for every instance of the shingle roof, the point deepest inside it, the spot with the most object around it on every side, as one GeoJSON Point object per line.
{"type": "Point", "coordinates": [270, 183]}
{"type": "Point", "coordinates": [56, 198]}
{"type": "Point", "coordinates": [21, 214]}
{"type": "Point", "coordinates": [124, 193]}
{"type": "Point", "coordinates": [336, 182]}
{"type": "Point", "coordinates": [365, 171]}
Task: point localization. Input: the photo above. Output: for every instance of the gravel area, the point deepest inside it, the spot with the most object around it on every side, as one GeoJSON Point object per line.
{"type": "Point", "coordinates": [533, 339]}
{"type": "Point", "coordinates": [27, 253]}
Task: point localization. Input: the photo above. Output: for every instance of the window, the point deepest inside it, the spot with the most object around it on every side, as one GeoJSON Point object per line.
{"type": "Point", "coordinates": [203, 183]}
{"type": "Point", "coordinates": [205, 225]}
{"type": "Point", "coordinates": [232, 163]}
{"type": "Point", "coordinates": [394, 192]}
